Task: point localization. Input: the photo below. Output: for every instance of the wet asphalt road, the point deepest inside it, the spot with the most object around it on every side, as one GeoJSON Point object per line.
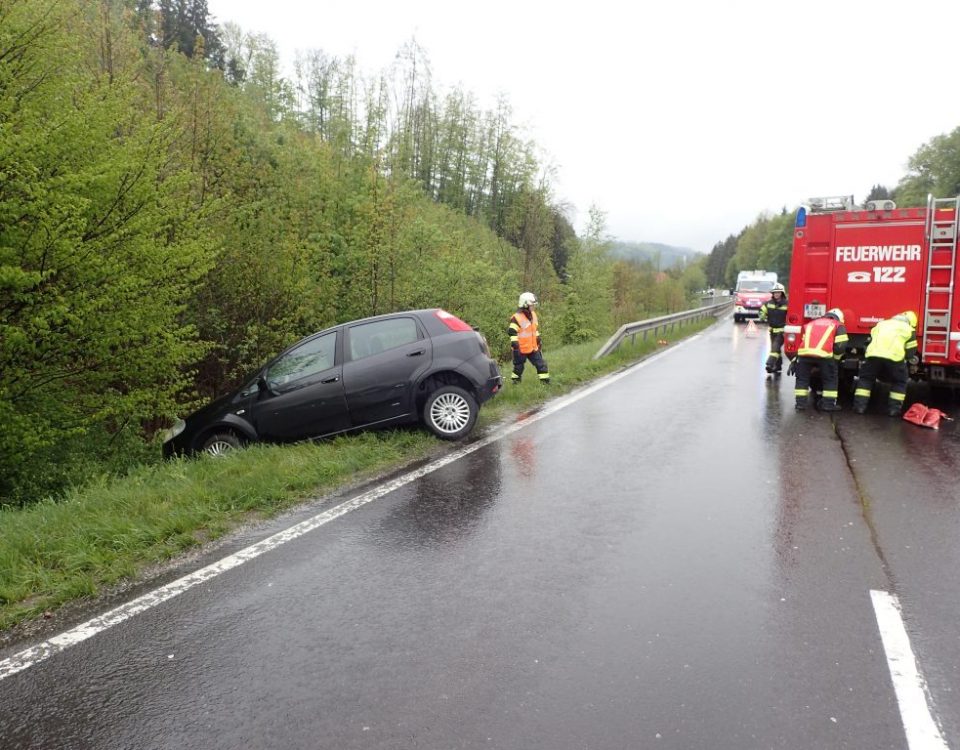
{"type": "Point", "coordinates": [678, 560]}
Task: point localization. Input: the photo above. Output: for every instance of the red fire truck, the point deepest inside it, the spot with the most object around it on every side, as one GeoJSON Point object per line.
{"type": "Point", "coordinates": [873, 262]}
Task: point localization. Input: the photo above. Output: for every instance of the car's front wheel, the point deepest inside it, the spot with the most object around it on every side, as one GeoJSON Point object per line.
{"type": "Point", "coordinates": [450, 412]}
{"type": "Point", "coordinates": [220, 443]}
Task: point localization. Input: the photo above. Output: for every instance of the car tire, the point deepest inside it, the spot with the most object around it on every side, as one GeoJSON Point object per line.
{"type": "Point", "coordinates": [221, 443]}
{"type": "Point", "coordinates": [450, 412]}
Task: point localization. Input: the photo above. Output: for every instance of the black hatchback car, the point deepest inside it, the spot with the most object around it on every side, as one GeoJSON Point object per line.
{"type": "Point", "coordinates": [404, 367]}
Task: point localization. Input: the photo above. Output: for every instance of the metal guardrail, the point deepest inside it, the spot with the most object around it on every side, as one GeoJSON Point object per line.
{"type": "Point", "coordinates": [655, 324]}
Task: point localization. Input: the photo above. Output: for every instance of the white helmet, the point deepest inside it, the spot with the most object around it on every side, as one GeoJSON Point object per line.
{"type": "Point", "coordinates": [527, 299]}
{"type": "Point", "coordinates": [778, 288]}
{"type": "Point", "coordinates": [837, 313]}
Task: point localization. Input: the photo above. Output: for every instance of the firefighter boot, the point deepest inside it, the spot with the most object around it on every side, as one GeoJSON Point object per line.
{"type": "Point", "coordinates": [829, 404]}
{"type": "Point", "coordinates": [893, 411]}
{"type": "Point", "coordinates": [801, 404]}
{"type": "Point", "coordinates": [860, 405]}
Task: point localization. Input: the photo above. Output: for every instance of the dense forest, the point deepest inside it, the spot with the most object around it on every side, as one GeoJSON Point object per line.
{"type": "Point", "coordinates": [174, 211]}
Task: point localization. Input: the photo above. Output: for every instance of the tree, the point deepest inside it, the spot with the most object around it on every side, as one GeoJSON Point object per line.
{"type": "Point", "coordinates": [98, 247]}
{"type": "Point", "coordinates": [588, 295]}
{"type": "Point", "coordinates": [934, 168]}
{"type": "Point", "coordinates": [719, 259]}
{"type": "Point", "coordinates": [186, 26]}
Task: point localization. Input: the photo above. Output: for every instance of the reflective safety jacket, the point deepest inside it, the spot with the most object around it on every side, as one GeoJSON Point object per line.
{"type": "Point", "coordinates": [525, 331]}
{"type": "Point", "coordinates": [775, 314]}
{"type": "Point", "coordinates": [823, 338]}
{"type": "Point", "coordinates": [892, 339]}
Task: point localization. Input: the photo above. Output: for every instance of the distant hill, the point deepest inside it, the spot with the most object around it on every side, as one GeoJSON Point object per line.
{"type": "Point", "coordinates": [661, 256]}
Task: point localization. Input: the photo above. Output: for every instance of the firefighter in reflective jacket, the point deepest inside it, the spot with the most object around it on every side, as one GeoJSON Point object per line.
{"type": "Point", "coordinates": [823, 342]}
{"type": "Point", "coordinates": [524, 332]}
{"type": "Point", "coordinates": [774, 314]}
{"type": "Point", "coordinates": [892, 343]}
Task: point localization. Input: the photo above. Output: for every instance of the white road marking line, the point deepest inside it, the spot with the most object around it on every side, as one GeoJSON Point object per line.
{"type": "Point", "coordinates": [42, 651]}
{"type": "Point", "coordinates": [908, 683]}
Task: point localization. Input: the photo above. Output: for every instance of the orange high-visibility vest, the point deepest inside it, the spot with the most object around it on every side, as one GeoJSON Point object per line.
{"type": "Point", "coordinates": [527, 335]}
{"type": "Point", "coordinates": [818, 336]}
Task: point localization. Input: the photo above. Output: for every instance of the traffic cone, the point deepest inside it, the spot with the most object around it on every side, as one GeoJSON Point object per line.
{"type": "Point", "coordinates": [751, 329]}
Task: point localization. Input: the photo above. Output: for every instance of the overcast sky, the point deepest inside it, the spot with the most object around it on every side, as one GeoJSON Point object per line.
{"type": "Point", "coordinates": [681, 119]}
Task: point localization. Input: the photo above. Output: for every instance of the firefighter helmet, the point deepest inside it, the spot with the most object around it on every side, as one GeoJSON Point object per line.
{"type": "Point", "coordinates": [527, 299]}
{"type": "Point", "coordinates": [910, 316]}
{"type": "Point", "coordinates": [778, 288]}
{"type": "Point", "coordinates": [837, 313]}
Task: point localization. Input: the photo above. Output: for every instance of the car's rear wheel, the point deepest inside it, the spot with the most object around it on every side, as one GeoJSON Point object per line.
{"type": "Point", "coordinates": [220, 443]}
{"type": "Point", "coordinates": [450, 412]}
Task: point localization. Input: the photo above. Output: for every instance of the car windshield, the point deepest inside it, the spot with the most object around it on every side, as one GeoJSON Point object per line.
{"type": "Point", "coordinates": [756, 286]}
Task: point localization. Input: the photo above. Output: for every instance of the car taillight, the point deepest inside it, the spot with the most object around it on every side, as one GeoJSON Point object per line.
{"type": "Point", "coordinates": [452, 321]}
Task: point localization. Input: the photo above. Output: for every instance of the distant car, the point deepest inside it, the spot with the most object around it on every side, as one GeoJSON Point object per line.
{"type": "Point", "coordinates": [423, 365]}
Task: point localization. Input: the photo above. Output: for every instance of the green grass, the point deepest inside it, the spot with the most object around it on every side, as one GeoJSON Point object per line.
{"type": "Point", "coordinates": [115, 528]}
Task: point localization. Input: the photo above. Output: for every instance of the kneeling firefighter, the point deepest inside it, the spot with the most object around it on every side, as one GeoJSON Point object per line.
{"type": "Point", "coordinates": [524, 332]}
{"type": "Point", "coordinates": [823, 342]}
{"type": "Point", "coordinates": [892, 343]}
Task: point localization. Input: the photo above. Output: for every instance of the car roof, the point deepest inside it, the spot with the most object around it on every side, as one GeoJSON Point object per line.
{"type": "Point", "coordinates": [384, 316]}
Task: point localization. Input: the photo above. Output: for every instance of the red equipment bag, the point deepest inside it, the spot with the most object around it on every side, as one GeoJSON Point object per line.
{"type": "Point", "coordinates": [924, 416]}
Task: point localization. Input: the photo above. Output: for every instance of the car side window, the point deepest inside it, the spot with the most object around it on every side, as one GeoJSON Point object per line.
{"type": "Point", "coordinates": [372, 338]}
{"type": "Point", "coordinates": [310, 358]}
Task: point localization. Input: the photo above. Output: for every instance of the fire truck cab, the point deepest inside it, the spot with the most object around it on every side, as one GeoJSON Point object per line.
{"type": "Point", "coordinates": [873, 262]}
{"type": "Point", "coordinates": [751, 293]}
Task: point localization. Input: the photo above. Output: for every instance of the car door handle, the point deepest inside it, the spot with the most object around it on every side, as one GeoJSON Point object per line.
{"type": "Point", "coordinates": [334, 379]}
{"type": "Point", "coordinates": [417, 353]}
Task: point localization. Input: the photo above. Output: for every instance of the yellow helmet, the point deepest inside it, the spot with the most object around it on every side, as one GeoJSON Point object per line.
{"type": "Point", "coordinates": [837, 313]}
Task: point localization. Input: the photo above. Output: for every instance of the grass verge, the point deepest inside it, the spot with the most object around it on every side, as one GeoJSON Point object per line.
{"type": "Point", "coordinates": [115, 528]}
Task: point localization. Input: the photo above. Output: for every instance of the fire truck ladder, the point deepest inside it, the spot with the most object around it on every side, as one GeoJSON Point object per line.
{"type": "Point", "coordinates": [941, 234]}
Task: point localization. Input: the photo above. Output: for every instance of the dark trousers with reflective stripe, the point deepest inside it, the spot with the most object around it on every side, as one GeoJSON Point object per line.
{"type": "Point", "coordinates": [775, 360]}
{"type": "Point", "coordinates": [829, 375]}
{"type": "Point", "coordinates": [894, 373]}
{"type": "Point", "coordinates": [536, 359]}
